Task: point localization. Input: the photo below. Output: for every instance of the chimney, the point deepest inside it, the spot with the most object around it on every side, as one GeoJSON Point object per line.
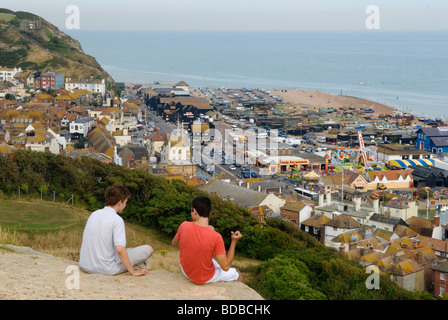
{"type": "Point", "coordinates": [376, 205]}
{"type": "Point", "coordinates": [436, 221]}
{"type": "Point", "coordinates": [419, 258]}
{"type": "Point", "coordinates": [357, 202]}
{"type": "Point", "coordinates": [328, 196]}
{"type": "Point", "coordinates": [321, 199]}
{"type": "Point", "coordinates": [398, 256]}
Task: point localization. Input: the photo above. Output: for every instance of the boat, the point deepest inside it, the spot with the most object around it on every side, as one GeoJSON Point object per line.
{"type": "Point", "coordinates": [443, 209]}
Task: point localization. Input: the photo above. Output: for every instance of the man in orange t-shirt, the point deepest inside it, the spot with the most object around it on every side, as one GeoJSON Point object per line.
{"type": "Point", "coordinates": [199, 243]}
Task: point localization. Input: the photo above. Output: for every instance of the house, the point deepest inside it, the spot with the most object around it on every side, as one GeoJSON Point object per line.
{"type": "Point", "coordinates": [100, 142]}
{"type": "Point", "coordinates": [273, 202]}
{"type": "Point", "coordinates": [339, 224]}
{"type": "Point", "coordinates": [429, 176]}
{"type": "Point", "coordinates": [355, 208]}
{"type": "Point", "coordinates": [434, 140]}
{"type": "Point", "coordinates": [49, 81]}
{"type": "Point", "coordinates": [155, 142]}
{"type": "Point", "coordinates": [296, 212]}
{"type": "Point", "coordinates": [400, 208]}
{"type": "Point", "coordinates": [384, 222]}
{"type": "Point", "coordinates": [41, 140]}
{"type": "Point", "coordinates": [94, 86]}
{"type": "Point", "coordinates": [114, 115]}
{"type": "Point", "coordinates": [440, 279]}
{"type": "Point", "coordinates": [66, 100]}
{"type": "Point", "coordinates": [315, 226]}
{"type": "Point", "coordinates": [406, 273]}
{"type": "Point", "coordinates": [132, 156]}
{"type": "Point", "coordinates": [81, 126]}
{"type": "Point", "coordinates": [42, 98]}
{"type": "Point", "coordinates": [349, 178]}
{"type": "Point", "coordinates": [244, 197]}
{"type": "Point", "coordinates": [122, 137]}
{"type": "Point", "coordinates": [178, 151]}
{"type": "Point", "coordinates": [8, 74]}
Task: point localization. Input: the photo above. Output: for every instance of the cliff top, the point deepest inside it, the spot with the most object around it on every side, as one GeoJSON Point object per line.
{"type": "Point", "coordinates": [26, 274]}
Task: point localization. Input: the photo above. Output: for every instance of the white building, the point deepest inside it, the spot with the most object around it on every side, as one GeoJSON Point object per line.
{"type": "Point", "coordinates": [81, 126]}
{"type": "Point", "coordinates": [94, 86]}
{"type": "Point", "coordinates": [8, 74]}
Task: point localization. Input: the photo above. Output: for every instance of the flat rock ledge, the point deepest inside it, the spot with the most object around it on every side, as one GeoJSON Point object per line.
{"type": "Point", "coordinates": [26, 274]}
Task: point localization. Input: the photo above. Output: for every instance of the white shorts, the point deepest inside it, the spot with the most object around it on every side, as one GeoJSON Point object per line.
{"type": "Point", "coordinates": [220, 275]}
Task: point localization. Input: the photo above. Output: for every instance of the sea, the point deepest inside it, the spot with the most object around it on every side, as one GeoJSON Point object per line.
{"type": "Point", "coordinates": [404, 70]}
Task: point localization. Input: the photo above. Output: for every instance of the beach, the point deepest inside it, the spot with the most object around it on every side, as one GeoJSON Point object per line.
{"type": "Point", "coordinates": [317, 99]}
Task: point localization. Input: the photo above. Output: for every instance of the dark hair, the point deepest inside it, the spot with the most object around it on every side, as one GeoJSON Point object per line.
{"type": "Point", "coordinates": [203, 206]}
{"type": "Point", "coordinates": [116, 193]}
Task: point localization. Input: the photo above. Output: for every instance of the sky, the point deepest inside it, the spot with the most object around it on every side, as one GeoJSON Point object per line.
{"type": "Point", "coordinates": [240, 15]}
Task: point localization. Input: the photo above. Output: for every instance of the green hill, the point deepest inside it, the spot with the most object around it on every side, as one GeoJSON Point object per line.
{"type": "Point", "coordinates": [294, 265]}
{"type": "Point", "coordinates": [44, 48]}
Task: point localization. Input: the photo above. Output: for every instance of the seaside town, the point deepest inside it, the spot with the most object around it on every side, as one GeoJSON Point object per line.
{"type": "Point", "coordinates": [365, 179]}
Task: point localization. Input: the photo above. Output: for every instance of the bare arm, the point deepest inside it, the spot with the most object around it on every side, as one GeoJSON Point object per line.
{"type": "Point", "coordinates": [175, 242]}
{"type": "Point", "coordinates": [123, 255]}
{"type": "Point", "coordinates": [225, 260]}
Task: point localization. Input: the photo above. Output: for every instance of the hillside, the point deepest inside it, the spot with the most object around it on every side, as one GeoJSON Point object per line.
{"type": "Point", "coordinates": [43, 47]}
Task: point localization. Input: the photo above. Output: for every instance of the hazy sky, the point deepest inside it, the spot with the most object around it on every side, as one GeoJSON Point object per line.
{"type": "Point", "coordinates": [241, 15]}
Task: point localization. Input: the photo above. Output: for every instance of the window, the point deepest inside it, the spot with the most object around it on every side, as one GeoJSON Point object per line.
{"type": "Point", "coordinates": [442, 276]}
{"type": "Point", "coordinates": [442, 290]}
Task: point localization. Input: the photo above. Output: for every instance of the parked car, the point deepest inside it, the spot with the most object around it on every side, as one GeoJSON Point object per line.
{"type": "Point", "coordinates": [254, 174]}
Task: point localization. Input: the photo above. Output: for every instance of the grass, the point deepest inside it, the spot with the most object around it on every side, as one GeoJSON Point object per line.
{"type": "Point", "coordinates": [7, 17]}
{"type": "Point", "coordinates": [57, 229]}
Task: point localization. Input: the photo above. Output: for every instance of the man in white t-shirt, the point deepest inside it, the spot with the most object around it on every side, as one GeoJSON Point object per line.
{"type": "Point", "coordinates": [103, 248]}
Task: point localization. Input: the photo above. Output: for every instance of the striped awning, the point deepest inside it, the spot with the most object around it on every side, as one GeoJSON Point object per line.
{"type": "Point", "coordinates": [411, 163]}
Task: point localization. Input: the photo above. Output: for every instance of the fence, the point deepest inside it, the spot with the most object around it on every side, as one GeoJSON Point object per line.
{"type": "Point", "coordinates": [44, 195]}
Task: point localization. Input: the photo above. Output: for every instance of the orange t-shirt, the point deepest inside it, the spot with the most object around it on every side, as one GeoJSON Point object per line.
{"type": "Point", "coordinates": [197, 246]}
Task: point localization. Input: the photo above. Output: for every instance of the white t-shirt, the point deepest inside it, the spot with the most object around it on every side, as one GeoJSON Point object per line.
{"type": "Point", "coordinates": [103, 232]}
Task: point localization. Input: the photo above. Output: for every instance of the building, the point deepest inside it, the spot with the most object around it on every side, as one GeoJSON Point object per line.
{"type": "Point", "coordinates": [434, 140]}
{"type": "Point", "coordinates": [94, 86]}
{"type": "Point", "coordinates": [50, 81]}
{"type": "Point", "coordinates": [80, 127]}
{"type": "Point", "coordinates": [314, 226]}
{"type": "Point", "coordinates": [341, 223]}
{"type": "Point", "coordinates": [8, 74]}
{"type": "Point", "coordinates": [440, 279]}
{"type": "Point", "coordinates": [244, 197]}
{"type": "Point", "coordinates": [296, 212]}
{"type": "Point", "coordinates": [429, 177]}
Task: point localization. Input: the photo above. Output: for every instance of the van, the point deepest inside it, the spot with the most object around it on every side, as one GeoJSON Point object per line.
{"type": "Point", "coordinates": [262, 135]}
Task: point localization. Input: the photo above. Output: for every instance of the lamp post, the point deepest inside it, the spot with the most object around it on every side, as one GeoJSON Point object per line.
{"type": "Point", "coordinates": [427, 202]}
